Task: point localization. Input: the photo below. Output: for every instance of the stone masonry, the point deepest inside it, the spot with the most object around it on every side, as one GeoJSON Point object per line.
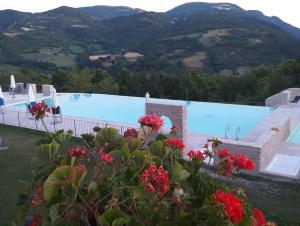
{"type": "Point", "coordinates": [176, 113]}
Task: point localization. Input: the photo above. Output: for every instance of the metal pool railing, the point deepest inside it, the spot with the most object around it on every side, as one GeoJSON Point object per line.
{"type": "Point", "coordinates": [79, 126]}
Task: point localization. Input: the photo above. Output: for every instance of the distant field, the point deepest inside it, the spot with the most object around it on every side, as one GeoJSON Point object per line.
{"type": "Point", "coordinates": [52, 55]}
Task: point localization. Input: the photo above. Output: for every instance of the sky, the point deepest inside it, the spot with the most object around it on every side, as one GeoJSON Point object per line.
{"type": "Point", "coordinates": [287, 10]}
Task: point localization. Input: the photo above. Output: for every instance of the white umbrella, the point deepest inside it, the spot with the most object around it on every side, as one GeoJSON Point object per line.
{"type": "Point", "coordinates": [147, 97]}
{"type": "Point", "coordinates": [31, 97]}
{"type": "Point", "coordinates": [1, 94]}
{"type": "Point", "coordinates": [55, 102]}
{"type": "Point", "coordinates": [12, 82]}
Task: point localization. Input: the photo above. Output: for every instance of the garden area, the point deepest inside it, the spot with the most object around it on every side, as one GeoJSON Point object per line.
{"type": "Point", "coordinates": [280, 202]}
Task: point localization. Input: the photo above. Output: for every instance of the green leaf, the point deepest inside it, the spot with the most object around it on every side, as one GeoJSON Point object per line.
{"type": "Point", "coordinates": [133, 143]}
{"type": "Point", "coordinates": [117, 155]}
{"type": "Point", "coordinates": [179, 174]}
{"type": "Point", "coordinates": [112, 215]}
{"type": "Point", "coordinates": [139, 193]}
{"type": "Point", "coordinates": [157, 160]}
{"type": "Point", "coordinates": [54, 213]}
{"type": "Point", "coordinates": [53, 183]}
{"type": "Point", "coordinates": [109, 137]}
{"type": "Point", "coordinates": [92, 188]}
{"type": "Point", "coordinates": [125, 152]}
{"type": "Point", "coordinates": [140, 155]}
{"type": "Point", "coordinates": [156, 148]}
{"type": "Point", "coordinates": [134, 221]}
{"type": "Point", "coordinates": [120, 221]}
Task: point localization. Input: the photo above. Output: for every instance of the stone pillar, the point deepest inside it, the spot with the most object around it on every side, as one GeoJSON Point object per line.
{"type": "Point", "coordinates": [175, 112]}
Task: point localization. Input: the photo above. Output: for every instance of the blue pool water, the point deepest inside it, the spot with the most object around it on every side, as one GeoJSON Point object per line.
{"type": "Point", "coordinates": [207, 118]}
{"type": "Point", "coordinates": [295, 136]}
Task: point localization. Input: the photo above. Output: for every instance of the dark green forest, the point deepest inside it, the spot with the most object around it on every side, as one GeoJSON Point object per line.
{"type": "Point", "coordinates": [252, 88]}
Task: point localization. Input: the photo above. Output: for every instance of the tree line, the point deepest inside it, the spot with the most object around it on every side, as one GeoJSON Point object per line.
{"type": "Point", "coordinates": [252, 88]}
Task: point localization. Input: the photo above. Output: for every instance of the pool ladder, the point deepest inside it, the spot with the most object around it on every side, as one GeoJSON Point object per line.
{"type": "Point", "coordinates": [237, 131]}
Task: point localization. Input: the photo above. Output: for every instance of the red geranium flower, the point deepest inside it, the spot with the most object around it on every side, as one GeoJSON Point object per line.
{"type": "Point", "coordinates": [37, 220]}
{"type": "Point", "coordinates": [105, 156]}
{"type": "Point", "coordinates": [37, 199]}
{"type": "Point", "coordinates": [199, 155]}
{"type": "Point", "coordinates": [258, 218]}
{"type": "Point", "coordinates": [131, 133]}
{"type": "Point", "coordinates": [39, 110]}
{"type": "Point", "coordinates": [191, 154]}
{"type": "Point", "coordinates": [230, 163]}
{"type": "Point", "coordinates": [79, 151]}
{"type": "Point", "coordinates": [242, 162]}
{"type": "Point", "coordinates": [152, 120]}
{"type": "Point", "coordinates": [174, 143]}
{"type": "Point", "coordinates": [155, 179]}
{"type": "Point", "coordinates": [223, 153]}
{"type": "Point", "coordinates": [82, 168]}
{"type": "Point", "coordinates": [231, 205]}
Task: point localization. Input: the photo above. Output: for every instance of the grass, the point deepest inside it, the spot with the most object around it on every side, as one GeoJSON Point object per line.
{"type": "Point", "coordinates": [279, 201]}
{"type": "Point", "coordinates": [14, 166]}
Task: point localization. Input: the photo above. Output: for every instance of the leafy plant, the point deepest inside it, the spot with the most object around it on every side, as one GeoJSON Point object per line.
{"type": "Point", "coordinates": [114, 182]}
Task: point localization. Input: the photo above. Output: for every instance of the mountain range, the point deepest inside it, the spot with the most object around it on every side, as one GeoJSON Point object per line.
{"type": "Point", "coordinates": [215, 37]}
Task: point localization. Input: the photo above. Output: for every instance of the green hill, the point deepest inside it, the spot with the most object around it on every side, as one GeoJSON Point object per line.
{"type": "Point", "coordinates": [220, 38]}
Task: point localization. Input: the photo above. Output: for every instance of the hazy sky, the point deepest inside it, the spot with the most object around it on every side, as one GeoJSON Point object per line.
{"type": "Point", "coordinates": [288, 10]}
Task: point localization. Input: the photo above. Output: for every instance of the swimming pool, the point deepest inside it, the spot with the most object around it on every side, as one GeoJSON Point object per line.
{"type": "Point", "coordinates": [295, 136]}
{"type": "Point", "coordinates": [206, 118]}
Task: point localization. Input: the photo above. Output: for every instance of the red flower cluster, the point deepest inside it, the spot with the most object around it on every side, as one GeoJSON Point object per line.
{"type": "Point", "coordinates": [198, 155]}
{"type": "Point", "coordinates": [105, 156]}
{"type": "Point", "coordinates": [231, 204]}
{"type": "Point", "coordinates": [37, 199]}
{"type": "Point", "coordinates": [131, 133]}
{"type": "Point", "coordinates": [230, 162]}
{"type": "Point", "coordinates": [174, 143]}
{"type": "Point", "coordinates": [40, 110]}
{"type": "Point", "coordinates": [82, 168]}
{"type": "Point", "coordinates": [79, 151]}
{"type": "Point", "coordinates": [37, 220]}
{"type": "Point", "coordinates": [152, 120]}
{"type": "Point", "coordinates": [156, 179]}
{"type": "Point", "coordinates": [258, 218]}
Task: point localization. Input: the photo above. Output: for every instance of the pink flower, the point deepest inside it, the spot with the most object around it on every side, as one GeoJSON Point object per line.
{"type": "Point", "coordinates": [131, 133]}
{"type": "Point", "coordinates": [152, 120]}
{"type": "Point", "coordinates": [82, 168]}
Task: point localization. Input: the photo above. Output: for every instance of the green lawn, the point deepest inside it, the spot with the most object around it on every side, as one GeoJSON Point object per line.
{"type": "Point", "coordinates": [280, 201]}
{"type": "Point", "coordinates": [14, 166]}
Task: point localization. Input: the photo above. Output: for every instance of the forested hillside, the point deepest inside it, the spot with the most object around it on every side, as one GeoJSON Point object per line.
{"type": "Point", "coordinates": [214, 38]}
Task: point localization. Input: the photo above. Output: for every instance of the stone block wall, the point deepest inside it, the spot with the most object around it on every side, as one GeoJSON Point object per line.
{"type": "Point", "coordinates": [273, 139]}
{"type": "Point", "coordinates": [47, 90]}
{"type": "Point", "coordinates": [277, 99]}
{"type": "Point", "coordinates": [283, 97]}
{"type": "Point", "coordinates": [176, 113]}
